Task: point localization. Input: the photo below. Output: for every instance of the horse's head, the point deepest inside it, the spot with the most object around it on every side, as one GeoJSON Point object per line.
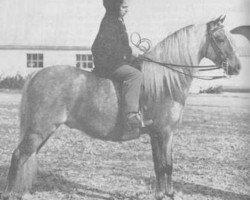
{"type": "Point", "coordinates": [220, 48]}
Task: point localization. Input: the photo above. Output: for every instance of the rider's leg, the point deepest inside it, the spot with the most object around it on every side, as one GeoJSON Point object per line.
{"type": "Point", "coordinates": [131, 79]}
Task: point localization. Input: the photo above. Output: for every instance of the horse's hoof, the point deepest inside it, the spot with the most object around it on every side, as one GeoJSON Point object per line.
{"type": "Point", "coordinates": [163, 196]}
{"type": "Point", "coordinates": [4, 196]}
{"type": "Point", "coordinates": [171, 195]}
{"type": "Point", "coordinates": [10, 196]}
{"type": "Point", "coordinates": [159, 195]}
{"type": "Point", "coordinates": [168, 197]}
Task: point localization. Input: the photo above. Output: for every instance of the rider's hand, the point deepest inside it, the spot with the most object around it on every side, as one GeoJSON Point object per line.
{"type": "Point", "coordinates": [136, 52]}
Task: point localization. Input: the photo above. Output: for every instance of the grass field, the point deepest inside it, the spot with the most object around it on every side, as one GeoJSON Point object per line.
{"type": "Point", "coordinates": [211, 156]}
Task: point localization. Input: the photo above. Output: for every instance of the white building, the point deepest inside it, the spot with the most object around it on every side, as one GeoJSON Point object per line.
{"type": "Point", "coordinates": [21, 59]}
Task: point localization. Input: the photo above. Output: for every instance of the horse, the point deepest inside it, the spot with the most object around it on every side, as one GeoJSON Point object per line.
{"type": "Point", "coordinates": [81, 100]}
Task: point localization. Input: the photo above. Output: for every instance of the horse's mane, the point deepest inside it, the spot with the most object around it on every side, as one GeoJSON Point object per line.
{"type": "Point", "coordinates": [161, 82]}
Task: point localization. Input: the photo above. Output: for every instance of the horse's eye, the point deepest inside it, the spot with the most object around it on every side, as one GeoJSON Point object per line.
{"type": "Point", "coordinates": [220, 40]}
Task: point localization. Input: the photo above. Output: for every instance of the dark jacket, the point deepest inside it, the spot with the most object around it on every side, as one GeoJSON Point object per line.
{"type": "Point", "coordinates": [111, 46]}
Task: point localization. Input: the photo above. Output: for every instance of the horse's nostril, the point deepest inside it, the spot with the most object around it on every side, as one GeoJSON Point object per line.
{"type": "Point", "coordinates": [238, 67]}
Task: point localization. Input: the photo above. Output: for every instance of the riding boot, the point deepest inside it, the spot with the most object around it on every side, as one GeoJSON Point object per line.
{"type": "Point", "coordinates": [132, 125]}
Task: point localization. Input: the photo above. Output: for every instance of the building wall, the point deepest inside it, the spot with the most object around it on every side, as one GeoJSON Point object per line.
{"type": "Point", "coordinates": [14, 62]}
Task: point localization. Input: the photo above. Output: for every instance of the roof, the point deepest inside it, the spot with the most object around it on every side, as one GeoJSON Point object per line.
{"type": "Point", "coordinates": [242, 30]}
{"type": "Point", "coordinates": [42, 48]}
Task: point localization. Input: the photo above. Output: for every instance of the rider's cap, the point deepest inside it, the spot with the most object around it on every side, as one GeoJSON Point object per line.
{"type": "Point", "coordinates": [112, 5]}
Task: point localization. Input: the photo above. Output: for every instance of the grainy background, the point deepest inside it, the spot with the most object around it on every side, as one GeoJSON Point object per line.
{"type": "Point", "coordinates": [211, 156]}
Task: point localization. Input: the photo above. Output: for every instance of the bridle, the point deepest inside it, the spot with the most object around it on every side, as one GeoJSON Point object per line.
{"type": "Point", "coordinates": [222, 57]}
{"type": "Point", "coordinates": [140, 44]}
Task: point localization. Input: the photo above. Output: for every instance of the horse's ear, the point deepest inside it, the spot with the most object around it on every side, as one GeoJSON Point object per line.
{"type": "Point", "coordinates": [216, 21]}
{"type": "Point", "coordinates": [222, 18]}
{"type": "Point", "coordinates": [219, 20]}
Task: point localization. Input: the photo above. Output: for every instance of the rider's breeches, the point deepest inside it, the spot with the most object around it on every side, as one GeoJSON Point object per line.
{"type": "Point", "coordinates": [131, 79]}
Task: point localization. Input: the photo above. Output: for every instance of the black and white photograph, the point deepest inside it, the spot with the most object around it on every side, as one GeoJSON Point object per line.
{"type": "Point", "coordinates": [125, 100]}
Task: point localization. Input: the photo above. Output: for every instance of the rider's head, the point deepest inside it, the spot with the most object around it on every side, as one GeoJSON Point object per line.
{"type": "Point", "coordinates": [116, 7]}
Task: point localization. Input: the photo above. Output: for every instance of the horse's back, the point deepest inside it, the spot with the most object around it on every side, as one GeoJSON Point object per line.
{"type": "Point", "coordinates": [68, 81]}
{"type": "Point", "coordinates": [80, 99]}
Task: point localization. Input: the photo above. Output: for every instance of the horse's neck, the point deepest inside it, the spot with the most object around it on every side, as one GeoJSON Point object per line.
{"type": "Point", "coordinates": [184, 48]}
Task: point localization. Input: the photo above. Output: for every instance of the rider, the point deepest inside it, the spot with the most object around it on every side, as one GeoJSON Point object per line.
{"type": "Point", "coordinates": [113, 57]}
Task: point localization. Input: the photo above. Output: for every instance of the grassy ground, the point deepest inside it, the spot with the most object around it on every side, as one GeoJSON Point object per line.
{"type": "Point", "coordinates": [211, 156]}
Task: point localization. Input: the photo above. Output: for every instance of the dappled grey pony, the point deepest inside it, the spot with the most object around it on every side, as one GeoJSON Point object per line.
{"type": "Point", "coordinates": [67, 95]}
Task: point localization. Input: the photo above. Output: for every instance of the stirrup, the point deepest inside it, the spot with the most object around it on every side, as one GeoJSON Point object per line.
{"type": "Point", "coordinates": [145, 123]}
{"type": "Point", "coordinates": [132, 121]}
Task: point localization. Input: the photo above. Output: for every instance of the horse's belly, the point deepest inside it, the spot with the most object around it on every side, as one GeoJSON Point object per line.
{"type": "Point", "coordinates": [98, 115]}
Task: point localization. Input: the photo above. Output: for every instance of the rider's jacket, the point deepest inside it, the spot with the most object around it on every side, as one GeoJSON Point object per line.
{"type": "Point", "coordinates": [111, 46]}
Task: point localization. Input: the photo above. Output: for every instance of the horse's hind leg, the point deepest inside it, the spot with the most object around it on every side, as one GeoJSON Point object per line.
{"type": "Point", "coordinates": [23, 168]}
{"type": "Point", "coordinates": [162, 154]}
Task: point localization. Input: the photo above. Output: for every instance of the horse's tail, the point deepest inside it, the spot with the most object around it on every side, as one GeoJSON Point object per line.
{"type": "Point", "coordinates": [24, 112]}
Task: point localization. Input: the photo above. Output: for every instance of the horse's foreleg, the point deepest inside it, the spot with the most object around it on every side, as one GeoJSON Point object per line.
{"type": "Point", "coordinates": [162, 154]}
{"type": "Point", "coordinates": [169, 163]}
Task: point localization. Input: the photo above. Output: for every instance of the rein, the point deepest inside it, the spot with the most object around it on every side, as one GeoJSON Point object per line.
{"type": "Point", "coordinates": [200, 68]}
{"type": "Point", "coordinates": [141, 42]}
